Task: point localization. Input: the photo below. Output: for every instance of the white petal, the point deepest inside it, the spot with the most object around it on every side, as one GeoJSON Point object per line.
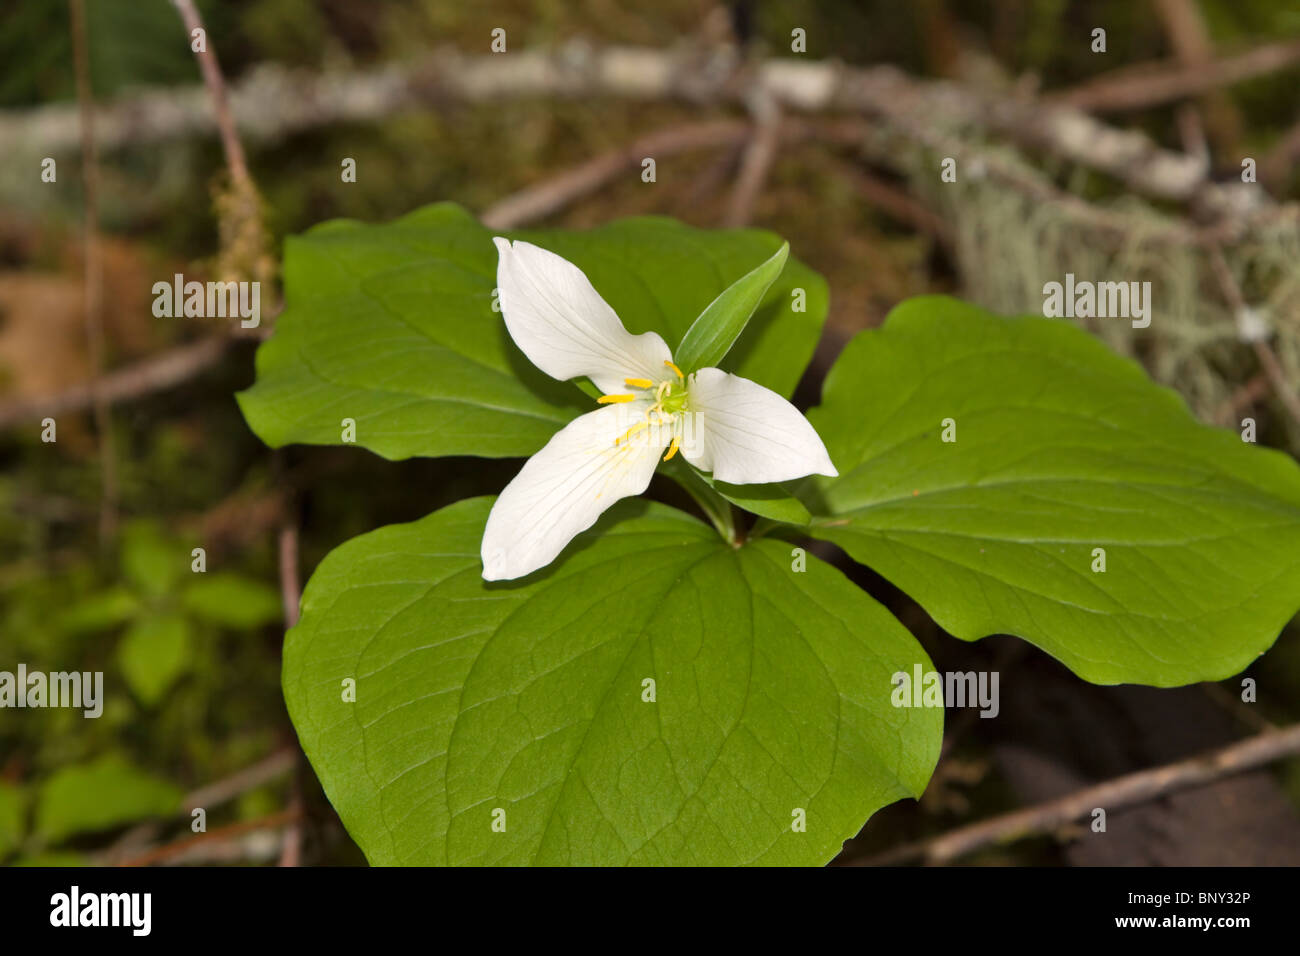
{"type": "Point", "coordinates": [747, 434]}
{"type": "Point", "coordinates": [565, 487]}
{"type": "Point", "coordinates": [566, 329]}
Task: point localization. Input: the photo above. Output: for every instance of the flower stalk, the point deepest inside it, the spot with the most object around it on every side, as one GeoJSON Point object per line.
{"type": "Point", "coordinates": [715, 507]}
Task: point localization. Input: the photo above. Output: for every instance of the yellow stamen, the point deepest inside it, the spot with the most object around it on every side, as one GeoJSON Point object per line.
{"type": "Point", "coordinates": [614, 399]}
{"type": "Point", "coordinates": [631, 431]}
{"type": "Point", "coordinates": [672, 448]}
{"type": "Point", "coordinates": [675, 369]}
{"type": "Point", "coordinates": [638, 382]}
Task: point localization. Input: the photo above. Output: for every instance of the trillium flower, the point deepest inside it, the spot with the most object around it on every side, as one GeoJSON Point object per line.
{"type": "Point", "coordinates": [721, 423]}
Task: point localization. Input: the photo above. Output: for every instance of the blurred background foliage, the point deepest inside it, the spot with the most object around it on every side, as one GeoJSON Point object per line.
{"type": "Point", "coordinates": [191, 661]}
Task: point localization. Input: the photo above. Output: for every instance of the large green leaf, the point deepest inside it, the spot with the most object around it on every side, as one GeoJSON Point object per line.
{"type": "Point", "coordinates": [392, 326]}
{"type": "Point", "coordinates": [773, 695]}
{"type": "Point", "coordinates": [1061, 447]}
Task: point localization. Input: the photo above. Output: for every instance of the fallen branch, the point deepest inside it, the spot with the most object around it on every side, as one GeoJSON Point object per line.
{"type": "Point", "coordinates": [250, 778]}
{"type": "Point", "coordinates": [1146, 85]}
{"type": "Point", "coordinates": [558, 191]}
{"type": "Point", "coordinates": [273, 102]}
{"type": "Point", "coordinates": [209, 797]}
{"type": "Point", "coordinates": [898, 204]}
{"type": "Point", "coordinates": [180, 847]}
{"type": "Point", "coordinates": [1117, 794]}
{"type": "Point", "coordinates": [163, 371]}
{"type": "Point", "coordinates": [756, 161]}
{"type": "Point", "coordinates": [1189, 37]}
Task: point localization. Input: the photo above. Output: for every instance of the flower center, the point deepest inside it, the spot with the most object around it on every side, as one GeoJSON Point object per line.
{"type": "Point", "coordinates": [670, 399]}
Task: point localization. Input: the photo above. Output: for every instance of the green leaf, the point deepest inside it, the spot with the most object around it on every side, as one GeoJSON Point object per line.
{"type": "Point", "coordinates": [231, 600]}
{"type": "Point", "coordinates": [772, 694]}
{"type": "Point", "coordinates": [711, 336]}
{"type": "Point", "coordinates": [1061, 448]}
{"type": "Point", "coordinates": [153, 654]}
{"type": "Point", "coordinates": [95, 796]}
{"type": "Point", "coordinates": [12, 814]}
{"type": "Point", "coordinates": [392, 326]}
{"type": "Point", "coordinates": [150, 561]}
{"type": "Point", "coordinates": [99, 612]}
{"type": "Point", "coordinates": [769, 500]}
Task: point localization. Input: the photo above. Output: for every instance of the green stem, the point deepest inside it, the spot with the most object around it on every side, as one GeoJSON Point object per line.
{"type": "Point", "coordinates": [717, 508]}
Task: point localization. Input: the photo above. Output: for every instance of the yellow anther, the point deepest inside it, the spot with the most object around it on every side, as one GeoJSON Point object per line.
{"type": "Point", "coordinates": [638, 382]}
{"type": "Point", "coordinates": [614, 399]}
{"type": "Point", "coordinates": [675, 369]}
{"type": "Point", "coordinates": [672, 448]}
{"type": "Point", "coordinates": [631, 431]}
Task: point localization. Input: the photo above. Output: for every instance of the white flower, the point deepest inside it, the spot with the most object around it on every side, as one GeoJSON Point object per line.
{"type": "Point", "coordinates": [740, 431]}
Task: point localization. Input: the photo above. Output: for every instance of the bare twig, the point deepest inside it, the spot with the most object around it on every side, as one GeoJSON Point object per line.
{"type": "Point", "coordinates": [1117, 794]}
{"type": "Point", "coordinates": [757, 159]}
{"type": "Point", "coordinates": [163, 371]}
{"type": "Point", "coordinates": [291, 598]}
{"type": "Point", "coordinates": [181, 847]}
{"type": "Point", "coordinates": [896, 203]}
{"type": "Point", "coordinates": [243, 240]}
{"type": "Point", "coordinates": [216, 86]}
{"type": "Point", "coordinates": [250, 778]}
{"type": "Point", "coordinates": [1190, 39]}
{"type": "Point", "coordinates": [291, 851]}
{"type": "Point", "coordinates": [94, 277]}
{"type": "Point", "coordinates": [1146, 85]}
{"type": "Point", "coordinates": [290, 592]}
{"type": "Point", "coordinates": [557, 192]}
{"type": "Point", "coordinates": [213, 795]}
{"type": "Point", "coordinates": [1244, 397]}
{"type": "Point", "coordinates": [1268, 359]}
{"type": "Point", "coordinates": [1232, 704]}
{"type": "Point", "coordinates": [1276, 166]}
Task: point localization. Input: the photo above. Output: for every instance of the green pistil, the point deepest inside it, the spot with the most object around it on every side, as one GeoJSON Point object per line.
{"type": "Point", "coordinates": [674, 399]}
